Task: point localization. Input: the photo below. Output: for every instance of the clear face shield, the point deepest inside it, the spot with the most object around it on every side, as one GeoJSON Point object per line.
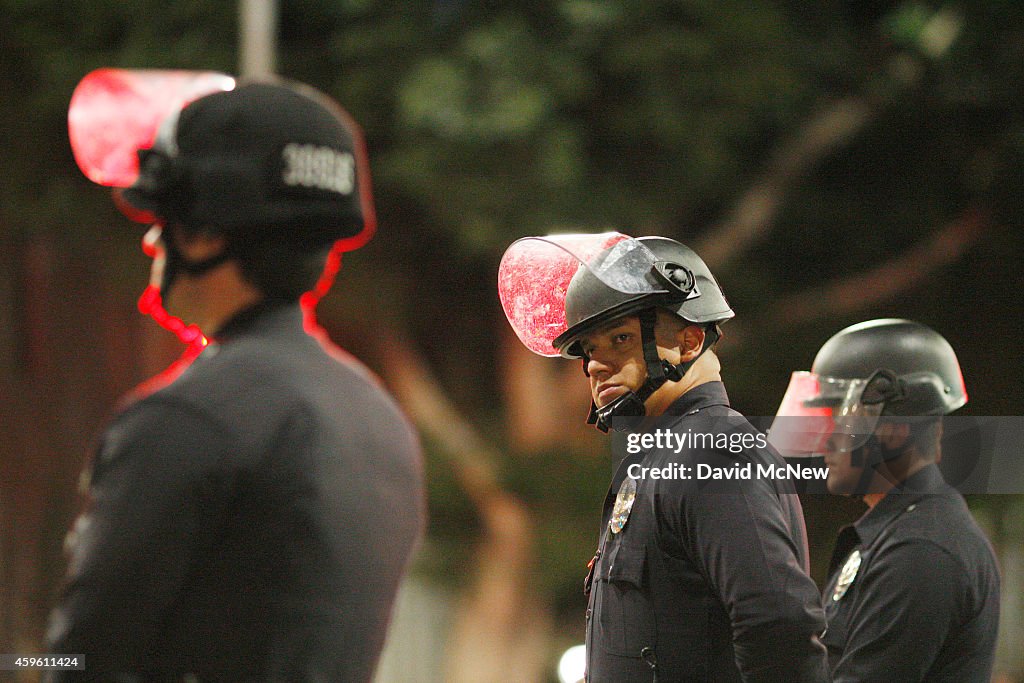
{"type": "Point", "coordinates": [116, 112]}
{"type": "Point", "coordinates": [112, 115]}
{"type": "Point", "coordinates": [535, 272]}
{"type": "Point", "coordinates": [821, 414]}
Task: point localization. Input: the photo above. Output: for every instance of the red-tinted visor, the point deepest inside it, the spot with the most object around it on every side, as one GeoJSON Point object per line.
{"type": "Point", "coordinates": [116, 112]}
{"type": "Point", "coordinates": [535, 272]}
{"type": "Point", "coordinates": [821, 414]}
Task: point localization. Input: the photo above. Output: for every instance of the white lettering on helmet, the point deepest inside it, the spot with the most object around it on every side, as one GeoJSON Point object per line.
{"type": "Point", "coordinates": [318, 167]}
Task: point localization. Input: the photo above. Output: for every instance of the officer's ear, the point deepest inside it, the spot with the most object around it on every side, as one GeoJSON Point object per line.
{"type": "Point", "coordinates": [691, 340]}
{"type": "Point", "coordinates": [670, 331]}
{"type": "Point", "coordinates": [674, 333]}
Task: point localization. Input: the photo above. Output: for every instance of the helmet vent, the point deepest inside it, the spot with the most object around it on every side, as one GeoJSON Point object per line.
{"type": "Point", "coordinates": [677, 277]}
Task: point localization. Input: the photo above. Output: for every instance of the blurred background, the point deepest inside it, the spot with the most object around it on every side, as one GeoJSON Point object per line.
{"type": "Point", "coordinates": [832, 161]}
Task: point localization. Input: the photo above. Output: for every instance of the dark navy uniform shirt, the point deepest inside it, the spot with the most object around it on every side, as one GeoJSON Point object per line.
{"type": "Point", "coordinates": [250, 521]}
{"type": "Point", "coordinates": [920, 597]}
{"type": "Point", "coordinates": [704, 582]}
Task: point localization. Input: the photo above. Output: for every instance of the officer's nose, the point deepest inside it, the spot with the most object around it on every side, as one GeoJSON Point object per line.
{"type": "Point", "coordinates": [599, 369]}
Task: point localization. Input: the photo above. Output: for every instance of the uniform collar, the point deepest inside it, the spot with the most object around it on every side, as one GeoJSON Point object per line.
{"type": "Point", "coordinates": [700, 397]}
{"type": "Point", "coordinates": [270, 313]}
{"type": "Point", "coordinates": [862, 533]}
{"type": "Point", "coordinates": [926, 481]}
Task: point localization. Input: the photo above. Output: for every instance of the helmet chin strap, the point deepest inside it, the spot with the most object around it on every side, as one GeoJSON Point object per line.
{"type": "Point", "coordinates": [659, 371]}
{"type": "Point", "coordinates": [176, 263]}
{"type": "Point", "coordinates": [869, 457]}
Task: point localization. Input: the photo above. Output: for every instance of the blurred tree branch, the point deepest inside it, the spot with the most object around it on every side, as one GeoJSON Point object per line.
{"type": "Point", "coordinates": [500, 615]}
{"type": "Point", "coordinates": [861, 292]}
{"type": "Point", "coordinates": [831, 126]}
{"type": "Point", "coordinates": [753, 213]}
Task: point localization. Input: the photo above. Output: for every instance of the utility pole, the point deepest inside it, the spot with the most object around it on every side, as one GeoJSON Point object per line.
{"type": "Point", "coordinates": [257, 38]}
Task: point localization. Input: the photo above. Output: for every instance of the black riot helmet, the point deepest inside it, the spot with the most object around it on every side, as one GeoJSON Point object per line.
{"type": "Point", "coordinates": [275, 167]}
{"type": "Point", "coordinates": [266, 163]}
{"type": "Point", "coordinates": [928, 379]}
{"type": "Point", "coordinates": [261, 156]}
{"type": "Point", "coordinates": [680, 282]}
{"type": "Point", "coordinates": [556, 289]}
{"type": "Point", "coordinates": [877, 368]}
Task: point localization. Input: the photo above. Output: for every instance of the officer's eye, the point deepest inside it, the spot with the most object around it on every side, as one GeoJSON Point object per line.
{"type": "Point", "coordinates": [622, 338]}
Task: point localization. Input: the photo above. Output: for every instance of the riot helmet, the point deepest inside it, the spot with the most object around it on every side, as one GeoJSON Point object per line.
{"type": "Point", "coordinates": [877, 368]}
{"type": "Point", "coordinates": [557, 289]}
{"type": "Point", "coordinates": [255, 162]}
{"type": "Point", "coordinates": [257, 157]}
{"type": "Point", "coordinates": [679, 282]}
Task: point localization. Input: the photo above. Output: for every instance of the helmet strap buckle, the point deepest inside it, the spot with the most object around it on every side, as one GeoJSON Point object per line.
{"type": "Point", "coordinates": [883, 386]}
{"type": "Point", "coordinates": [176, 263]}
{"type": "Point", "coordinates": [630, 404]}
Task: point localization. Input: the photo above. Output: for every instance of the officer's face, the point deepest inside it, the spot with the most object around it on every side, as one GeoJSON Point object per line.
{"type": "Point", "coordinates": [616, 360]}
{"type": "Point", "coordinates": [846, 456]}
{"type": "Point", "coordinates": [843, 475]}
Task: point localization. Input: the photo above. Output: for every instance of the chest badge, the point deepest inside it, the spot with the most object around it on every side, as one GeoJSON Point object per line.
{"type": "Point", "coordinates": [623, 505]}
{"type": "Point", "coordinates": [846, 576]}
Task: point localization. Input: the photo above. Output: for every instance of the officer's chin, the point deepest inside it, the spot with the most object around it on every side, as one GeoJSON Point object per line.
{"type": "Point", "coordinates": [838, 484]}
{"type": "Point", "coordinates": [836, 488]}
{"type": "Point", "coordinates": [849, 485]}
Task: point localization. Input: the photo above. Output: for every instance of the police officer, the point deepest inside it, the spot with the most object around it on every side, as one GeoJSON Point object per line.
{"type": "Point", "coordinates": [913, 588]}
{"type": "Point", "coordinates": [689, 583]}
{"type": "Point", "coordinates": [251, 520]}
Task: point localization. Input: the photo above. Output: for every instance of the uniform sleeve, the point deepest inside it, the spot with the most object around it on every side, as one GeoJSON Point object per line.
{"type": "Point", "coordinates": [738, 534]}
{"type": "Point", "coordinates": [908, 601]}
{"type": "Point", "coordinates": [153, 502]}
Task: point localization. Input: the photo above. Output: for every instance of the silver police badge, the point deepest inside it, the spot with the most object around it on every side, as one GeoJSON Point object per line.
{"type": "Point", "coordinates": [623, 505]}
{"type": "Point", "coordinates": [846, 576]}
